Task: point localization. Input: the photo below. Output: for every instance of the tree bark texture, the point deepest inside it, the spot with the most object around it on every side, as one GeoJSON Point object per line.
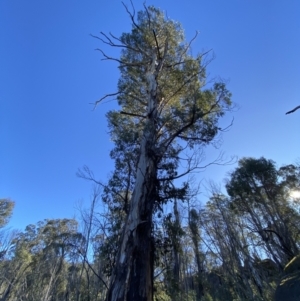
{"type": "Point", "coordinates": [132, 279]}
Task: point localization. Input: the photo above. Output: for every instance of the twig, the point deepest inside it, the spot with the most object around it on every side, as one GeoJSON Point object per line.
{"type": "Point", "coordinates": [131, 15]}
{"type": "Point", "coordinates": [105, 96]}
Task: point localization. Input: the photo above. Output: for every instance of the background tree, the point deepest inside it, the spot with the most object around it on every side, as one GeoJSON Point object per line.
{"type": "Point", "coordinates": [214, 253]}
{"type": "Point", "coordinates": [6, 236]}
{"type": "Point", "coordinates": [261, 193]}
{"type": "Point", "coordinates": [6, 209]}
{"type": "Point", "coordinates": [40, 260]}
{"type": "Point", "coordinates": [194, 226]}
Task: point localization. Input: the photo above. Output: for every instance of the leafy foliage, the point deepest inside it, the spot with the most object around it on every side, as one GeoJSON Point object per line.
{"type": "Point", "coordinates": [6, 209]}
{"type": "Point", "coordinates": [223, 251]}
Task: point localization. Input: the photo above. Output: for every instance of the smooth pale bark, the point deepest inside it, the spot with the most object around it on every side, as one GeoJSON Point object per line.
{"type": "Point", "coordinates": [132, 279]}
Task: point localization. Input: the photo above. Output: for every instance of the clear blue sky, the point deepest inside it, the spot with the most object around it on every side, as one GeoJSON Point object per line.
{"type": "Point", "coordinates": [49, 73]}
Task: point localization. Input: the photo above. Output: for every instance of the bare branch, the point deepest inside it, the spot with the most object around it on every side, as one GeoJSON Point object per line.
{"type": "Point", "coordinates": [292, 111]}
{"type": "Point", "coordinates": [105, 96]}
{"type": "Point", "coordinates": [122, 63]}
{"type": "Point", "coordinates": [109, 41]}
{"type": "Point", "coordinates": [188, 45]}
{"type": "Point", "coordinates": [118, 39]}
{"type": "Point", "coordinates": [108, 57]}
{"type": "Point", "coordinates": [87, 174]}
{"type": "Point", "coordinates": [122, 46]}
{"type": "Point", "coordinates": [96, 274]}
{"type": "Point", "coordinates": [125, 45]}
{"type": "Point", "coordinates": [149, 18]}
{"type": "Point", "coordinates": [132, 16]}
{"type": "Point", "coordinates": [190, 168]}
{"type": "Point", "coordinates": [227, 127]}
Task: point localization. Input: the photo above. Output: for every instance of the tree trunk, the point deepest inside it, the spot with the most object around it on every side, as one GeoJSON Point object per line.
{"type": "Point", "coordinates": [176, 268]}
{"type": "Point", "coordinates": [133, 275]}
{"type": "Point", "coordinates": [199, 288]}
{"type": "Point", "coordinates": [195, 239]}
{"type": "Point", "coordinates": [132, 279]}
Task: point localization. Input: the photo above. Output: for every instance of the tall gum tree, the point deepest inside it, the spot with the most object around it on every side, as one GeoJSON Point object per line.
{"type": "Point", "coordinates": [260, 191]}
{"type": "Point", "coordinates": [165, 113]}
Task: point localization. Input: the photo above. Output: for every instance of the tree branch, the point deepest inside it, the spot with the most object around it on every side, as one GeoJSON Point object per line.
{"type": "Point", "coordinates": [148, 15]}
{"type": "Point", "coordinates": [123, 63]}
{"type": "Point", "coordinates": [188, 45]}
{"type": "Point", "coordinates": [131, 15]}
{"type": "Point", "coordinates": [157, 47]}
{"type": "Point", "coordinates": [98, 276]}
{"type": "Point", "coordinates": [109, 41]}
{"type": "Point", "coordinates": [105, 96]}
{"type": "Point", "coordinates": [132, 114]}
{"type": "Point", "coordinates": [87, 174]}
{"type": "Point", "coordinates": [190, 168]}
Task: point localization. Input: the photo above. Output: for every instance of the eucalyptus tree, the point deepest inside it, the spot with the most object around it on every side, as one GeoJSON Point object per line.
{"type": "Point", "coordinates": [6, 236]}
{"type": "Point", "coordinates": [166, 117]}
{"type": "Point", "coordinates": [40, 259]}
{"type": "Point", "coordinates": [260, 192]}
{"type": "Point", "coordinates": [223, 238]}
{"type": "Point", "coordinates": [6, 209]}
{"type": "Point", "coordinates": [172, 252]}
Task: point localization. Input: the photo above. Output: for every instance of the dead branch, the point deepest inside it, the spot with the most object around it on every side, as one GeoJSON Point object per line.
{"type": "Point", "coordinates": [106, 57]}
{"type": "Point", "coordinates": [86, 174]}
{"type": "Point", "coordinates": [122, 63]}
{"type": "Point", "coordinates": [188, 45]}
{"type": "Point", "coordinates": [292, 111]}
{"type": "Point", "coordinates": [109, 41]}
{"type": "Point", "coordinates": [95, 273]}
{"type": "Point", "coordinates": [105, 96]}
{"type": "Point", "coordinates": [227, 127]}
{"type": "Point", "coordinates": [132, 16]}
{"type": "Point", "coordinates": [148, 15]}
{"type": "Point", "coordinates": [193, 165]}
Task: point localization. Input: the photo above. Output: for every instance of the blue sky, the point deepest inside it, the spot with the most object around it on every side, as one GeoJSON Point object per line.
{"type": "Point", "coordinates": [50, 73]}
